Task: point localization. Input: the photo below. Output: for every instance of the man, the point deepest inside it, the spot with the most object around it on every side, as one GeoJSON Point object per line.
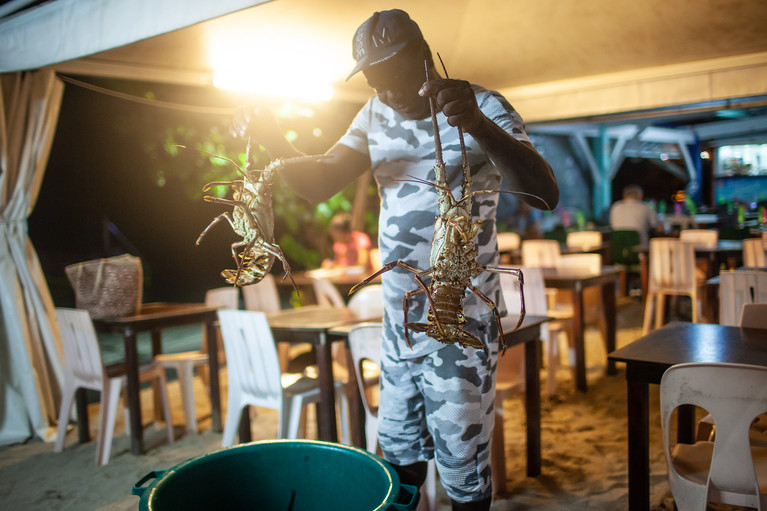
{"type": "Point", "coordinates": [436, 399]}
{"type": "Point", "coordinates": [633, 214]}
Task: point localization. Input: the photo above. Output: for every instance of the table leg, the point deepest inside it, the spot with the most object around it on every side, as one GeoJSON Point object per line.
{"type": "Point", "coordinates": [639, 445]}
{"type": "Point", "coordinates": [608, 300]}
{"type": "Point", "coordinates": [133, 392]}
{"type": "Point", "coordinates": [244, 429]}
{"type": "Point", "coordinates": [156, 336]}
{"type": "Point", "coordinates": [578, 343]}
{"type": "Point", "coordinates": [498, 454]}
{"type": "Point", "coordinates": [214, 383]}
{"type": "Point", "coordinates": [327, 406]}
{"type": "Point", "coordinates": [533, 404]}
{"type": "Point", "coordinates": [83, 427]}
{"type": "Point", "coordinates": [685, 419]}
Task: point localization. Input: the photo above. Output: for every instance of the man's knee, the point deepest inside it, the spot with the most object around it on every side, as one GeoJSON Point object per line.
{"type": "Point", "coordinates": [413, 474]}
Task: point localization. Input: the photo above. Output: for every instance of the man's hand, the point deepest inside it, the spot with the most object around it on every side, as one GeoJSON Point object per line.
{"type": "Point", "coordinates": [455, 98]}
{"type": "Point", "coordinates": [259, 122]}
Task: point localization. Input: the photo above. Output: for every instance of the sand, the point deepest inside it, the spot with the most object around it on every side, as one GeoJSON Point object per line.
{"type": "Point", "coordinates": [583, 440]}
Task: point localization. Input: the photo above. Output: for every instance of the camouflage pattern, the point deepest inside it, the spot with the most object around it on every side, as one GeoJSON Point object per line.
{"type": "Point", "coordinates": [441, 405]}
{"type": "Point", "coordinates": [401, 149]}
{"type": "Point", "coordinates": [434, 395]}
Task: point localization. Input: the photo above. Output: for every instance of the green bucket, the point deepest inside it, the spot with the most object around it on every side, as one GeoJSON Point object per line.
{"type": "Point", "coordinates": [278, 475]}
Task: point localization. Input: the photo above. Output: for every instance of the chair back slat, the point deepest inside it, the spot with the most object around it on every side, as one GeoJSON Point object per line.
{"type": "Point", "coordinates": [672, 264]}
{"type": "Point", "coordinates": [540, 253]}
{"type": "Point", "coordinates": [327, 294]}
{"type": "Point", "coordinates": [368, 302]}
{"type": "Point", "coordinates": [584, 240]}
{"type": "Point", "coordinates": [737, 288]}
{"type": "Point", "coordinates": [262, 296]}
{"type": "Point", "coordinates": [754, 253]}
{"type": "Point", "coordinates": [251, 354]}
{"type": "Point", "coordinates": [80, 345]}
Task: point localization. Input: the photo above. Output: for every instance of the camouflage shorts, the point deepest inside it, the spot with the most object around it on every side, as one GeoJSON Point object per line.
{"type": "Point", "coordinates": [441, 406]}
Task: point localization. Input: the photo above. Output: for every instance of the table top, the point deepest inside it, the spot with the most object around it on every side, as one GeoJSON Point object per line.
{"type": "Point", "coordinates": [680, 342]}
{"type": "Point", "coordinates": [715, 280]}
{"type": "Point", "coordinates": [150, 315]}
{"type": "Point", "coordinates": [565, 276]}
{"type": "Point", "coordinates": [312, 318]}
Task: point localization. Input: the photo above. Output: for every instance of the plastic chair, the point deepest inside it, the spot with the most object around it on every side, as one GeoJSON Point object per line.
{"type": "Point", "coordinates": [700, 238]}
{"type": "Point", "coordinates": [84, 368]}
{"type": "Point", "coordinates": [255, 377]}
{"type": "Point", "coordinates": [508, 241]}
{"type": "Point", "coordinates": [368, 302]}
{"type": "Point", "coordinates": [365, 341]}
{"type": "Point", "coordinates": [754, 315]}
{"type": "Point", "coordinates": [584, 240]}
{"type": "Point", "coordinates": [736, 288]}
{"type": "Point", "coordinates": [754, 253]}
{"type": "Point", "coordinates": [262, 296]}
{"type": "Point", "coordinates": [185, 362]}
{"type": "Point", "coordinates": [537, 304]}
{"type": "Point", "coordinates": [540, 253]}
{"type": "Point", "coordinates": [671, 272]}
{"type": "Point", "coordinates": [327, 294]}
{"type": "Point", "coordinates": [726, 469]}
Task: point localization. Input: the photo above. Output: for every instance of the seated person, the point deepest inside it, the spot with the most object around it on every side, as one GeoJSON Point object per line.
{"type": "Point", "coordinates": [350, 248]}
{"type": "Point", "coordinates": [633, 214]}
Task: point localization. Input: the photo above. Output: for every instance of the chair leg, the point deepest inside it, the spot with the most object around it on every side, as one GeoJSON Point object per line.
{"type": "Point", "coordinates": [162, 389]}
{"type": "Point", "coordinates": [185, 373]}
{"type": "Point", "coordinates": [430, 485]}
{"type": "Point", "coordinates": [343, 412]}
{"type": "Point", "coordinates": [110, 397]}
{"type": "Point", "coordinates": [233, 411]}
{"type": "Point", "coordinates": [67, 398]}
{"type": "Point", "coordinates": [648, 311]}
{"type": "Point", "coordinates": [552, 345]}
{"type": "Point", "coordinates": [292, 407]}
{"type": "Point", "coordinates": [660, 309]}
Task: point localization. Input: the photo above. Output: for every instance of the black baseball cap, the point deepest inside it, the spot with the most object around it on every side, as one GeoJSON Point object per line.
{"type": "Point", "coordinates": [381, 37]}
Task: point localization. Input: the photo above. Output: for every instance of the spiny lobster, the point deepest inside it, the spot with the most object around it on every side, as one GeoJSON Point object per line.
{"type": "Point", "coordinates": [453, 259]}
{"type": "Point", "coordinates": [252, 218]}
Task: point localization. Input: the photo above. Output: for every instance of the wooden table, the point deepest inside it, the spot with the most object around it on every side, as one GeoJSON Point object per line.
{"type": "Point", "coordinates": [528, 334]}
{"type": "Point", "coordinates": [576, 281]}
{"type": "Point", "coordinates": [154, 317]}
{"type": "Point", "coordinates": [647, 359]}
{"type": "Point", "coordinates": [311, 324]}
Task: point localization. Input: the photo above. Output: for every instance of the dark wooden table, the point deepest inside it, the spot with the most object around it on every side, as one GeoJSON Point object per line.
{"type": "Point", "coordinates": [648, 358]}
{"type": "Point", "coordinates": [576, 281]}
{"type": "Point", "coordinates": [311, 324]}
{"type": "Point", "coordinates": [528, 334]}
{"type": "Point", "coordinates": [154, 317]}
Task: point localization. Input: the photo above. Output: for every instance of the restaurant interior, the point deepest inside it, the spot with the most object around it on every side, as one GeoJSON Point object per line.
{"type": "Point", "coordinates": [636, 380]}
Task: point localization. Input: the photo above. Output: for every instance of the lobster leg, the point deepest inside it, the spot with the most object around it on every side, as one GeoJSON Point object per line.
{"type": "Point", "coordinates": [214, 222]}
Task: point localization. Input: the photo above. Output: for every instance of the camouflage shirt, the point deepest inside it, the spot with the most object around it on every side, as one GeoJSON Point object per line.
{"type": "Point", "coordinates": [401, 149]}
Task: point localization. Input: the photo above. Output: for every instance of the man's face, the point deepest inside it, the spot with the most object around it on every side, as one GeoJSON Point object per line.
{"type": "Point", "coordinates": [397, 81]}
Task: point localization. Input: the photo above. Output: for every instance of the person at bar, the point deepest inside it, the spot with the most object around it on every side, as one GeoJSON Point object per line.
{"type": "Point", "coordinates": [633, 214]}
{"type": "Point", "coordinates": [436, 399]}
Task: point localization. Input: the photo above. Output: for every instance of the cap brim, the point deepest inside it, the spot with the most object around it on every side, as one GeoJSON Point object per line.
{"type": "Point", "coordinates": [367, 62]}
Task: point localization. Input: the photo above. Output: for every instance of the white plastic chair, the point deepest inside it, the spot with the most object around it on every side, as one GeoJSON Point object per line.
{"type": "Point", "coordinates": [540, 253]}
{"type": "Point", "coordinates": [736, 288]}
{"type": "Point", "coordinates": [508, 241]}
{"type": "Point", "coordinates": [672, 272]}
{"type": "Point", "coordinates": [584, 240]}
{"type": "Point", "coordinates": [537, 304]}
{"type": "Point", "coordinates": [262, 296]}
{"type": "Point", "coordinates": [365, 341]}
{"type": "Point", "coordinates": [754, 315]}
{"type": "Point", "coordinates": [368, 302]}
{"type": "Point", "coordinates": [84, 368]}
{"type": "Point", "coordinates": [255, 377]}
{"type": "Point", "coordinates": [327, 294]}
{"type": "Point", "coordinates": [726, 469]}
{"type": "Point", "coordinates": [185, 362]}
{"type": "Point", "coordinates": [700, 238]}
{"type": "Point", "coordinates": [754, 253]}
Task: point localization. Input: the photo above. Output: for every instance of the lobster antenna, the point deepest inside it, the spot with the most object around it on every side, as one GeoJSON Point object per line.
{"type": "Point", "coordinates": [435, 127]}
{"type": "Point", "coordinates": [465, 159]}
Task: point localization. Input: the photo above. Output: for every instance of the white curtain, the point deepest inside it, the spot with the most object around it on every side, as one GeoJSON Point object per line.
{"type": "Point", "coordinates": [30, 367]}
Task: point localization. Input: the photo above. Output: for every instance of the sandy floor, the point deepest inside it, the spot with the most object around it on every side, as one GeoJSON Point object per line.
{"type": "Point", "coordinates": [584, 450]}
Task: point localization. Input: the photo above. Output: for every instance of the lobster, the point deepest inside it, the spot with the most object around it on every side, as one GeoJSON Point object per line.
{"type": "Point", "coordinates": [453, 259]}
{"type": "Point", "coordinates": [252, 218]}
